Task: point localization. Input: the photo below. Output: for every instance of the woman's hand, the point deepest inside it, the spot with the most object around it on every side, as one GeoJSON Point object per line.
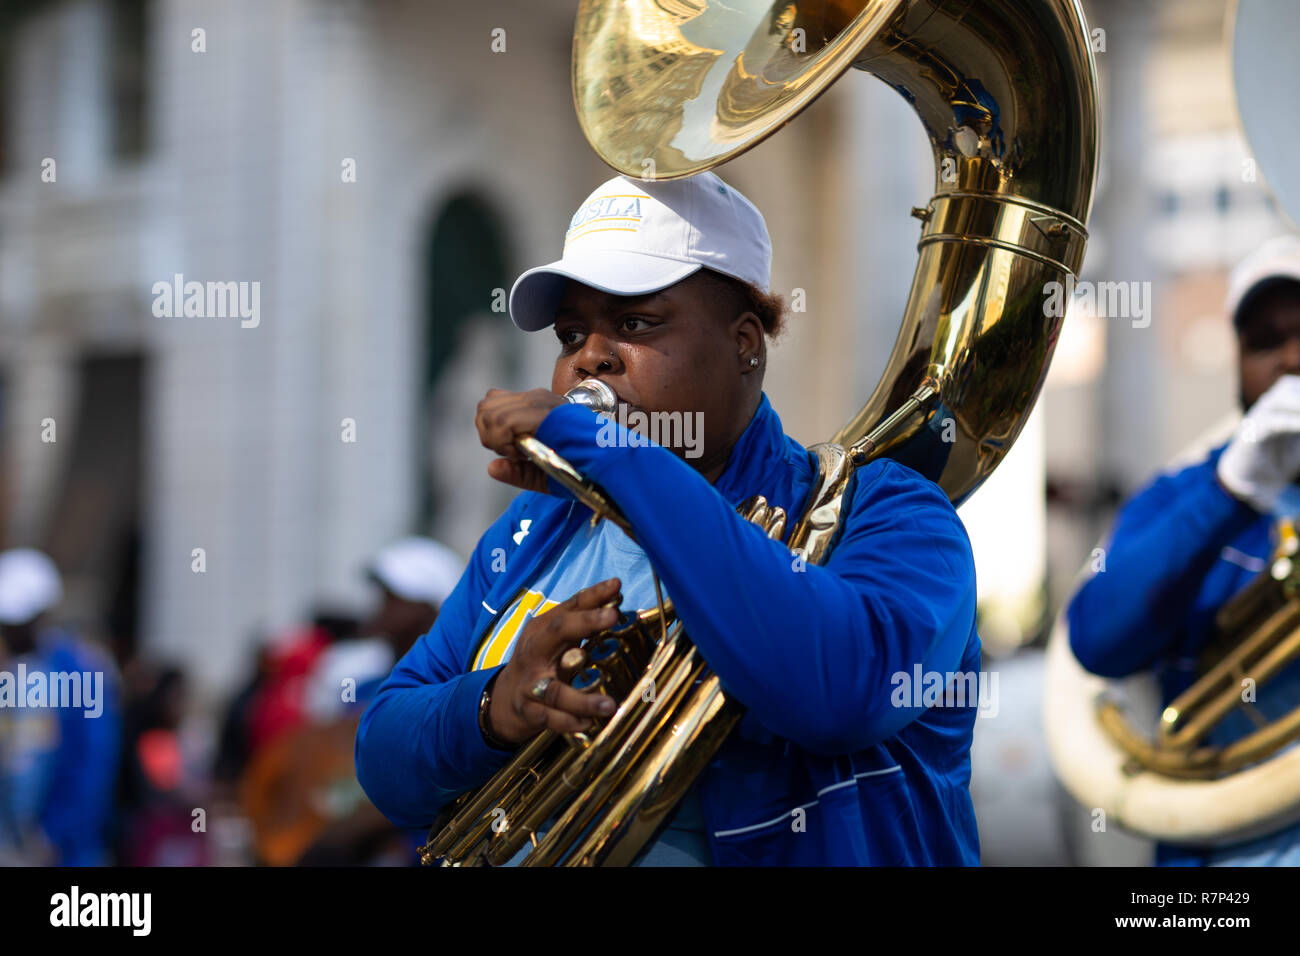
{"type": "Point", "coordinates": [516, 714]}
{"type": "Point", "coordinates": [503, 417]}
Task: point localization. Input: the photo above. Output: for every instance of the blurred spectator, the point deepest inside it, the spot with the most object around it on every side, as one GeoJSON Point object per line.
{"type": "Point", "coordinates": [158, 791]}
{"type": "Point", "coordinates": [301, 792]}
{"type": "Point", "coordinates": [59, 742]}
{"type": "Point", "coordinates": [272, 701]}
{"type": "Point", "coordinates": [414, 576]}
{"type": "Point", "coordinates": [277, 707]}
{"type": "Point", "coordinates": [234, 744]}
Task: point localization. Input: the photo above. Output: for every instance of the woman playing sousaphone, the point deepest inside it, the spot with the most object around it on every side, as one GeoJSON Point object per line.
{"type": "Point", "coordinates": [661, 294]}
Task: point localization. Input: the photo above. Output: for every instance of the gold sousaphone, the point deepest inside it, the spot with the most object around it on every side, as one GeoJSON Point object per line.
{"type": "Point", "coordinates": [1175, 785]}
{"type": "Point", "coordinates": [1006, 91]}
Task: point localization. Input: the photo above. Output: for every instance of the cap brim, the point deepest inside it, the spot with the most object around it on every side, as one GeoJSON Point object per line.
{"type": "Point", "coordinates": [537, 293]}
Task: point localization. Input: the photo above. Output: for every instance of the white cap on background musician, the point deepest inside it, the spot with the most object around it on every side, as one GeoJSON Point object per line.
{"type": "Point", "coordinates": [29, 585]}
{"type": "Point", "coordinates": [631, 237]}
{"type": "Point", "coordinates": [417, 569]}
{"type": "Point", "coordinates": [1276, 259]}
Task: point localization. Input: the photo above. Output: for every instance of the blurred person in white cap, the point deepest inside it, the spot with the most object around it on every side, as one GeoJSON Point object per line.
{"type": "Point", "coordinates": [663, 293]}
{"type": "Point", "coordinates": [60, 725]}
{"type": "Point", "coordinates": [29, 586]}
{"type": "Point", "coordinates": [1189, 541]}
{"type": "Point", "coordinates": [414, 576]}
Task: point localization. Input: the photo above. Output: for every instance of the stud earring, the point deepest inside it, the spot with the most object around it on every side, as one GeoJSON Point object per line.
{"type": "Point", "coordinates": [753, 361]}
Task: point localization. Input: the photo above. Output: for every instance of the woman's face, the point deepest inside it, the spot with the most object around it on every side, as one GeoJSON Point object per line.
{"type": "Point", "coordinates": [676, 350]}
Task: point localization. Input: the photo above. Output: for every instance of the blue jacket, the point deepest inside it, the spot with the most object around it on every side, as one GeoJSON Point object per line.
{"type": "Point", "coordinates": [82, 793]}
{"type": "Point", "coordinates": [68, 777]}
{"type": "Point", "coordinates": [812, 651]}
{"type": "Point", "coordinates": [1179, 550]}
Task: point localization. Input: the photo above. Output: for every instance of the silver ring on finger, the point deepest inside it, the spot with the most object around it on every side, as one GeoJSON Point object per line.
{"type": "Point", "coordinates": [539, 689]}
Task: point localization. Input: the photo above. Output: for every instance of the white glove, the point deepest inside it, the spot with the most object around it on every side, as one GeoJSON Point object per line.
{"type": "Point", "coordinates": [1264, 455]}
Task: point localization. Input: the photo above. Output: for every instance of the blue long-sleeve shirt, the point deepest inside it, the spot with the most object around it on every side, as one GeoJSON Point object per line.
{"type": "Point", "coordinates": [825, 768]}
{"type": "Point", "coordinates": [1178, 551]}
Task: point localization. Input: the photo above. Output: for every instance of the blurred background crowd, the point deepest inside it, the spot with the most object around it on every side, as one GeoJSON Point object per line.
{"type": "Point", "coordinates": [121, 777]}
{"type": "Point", "coordinates": [234, 522]}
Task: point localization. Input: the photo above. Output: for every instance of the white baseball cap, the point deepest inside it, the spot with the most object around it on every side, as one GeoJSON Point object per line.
{"type": "Point", "coordinates": [1276, 259]}
{"type": "Point", "coordinates": [29, 585]}
{"type": "Point", "coordinates": [418, 569]}
{"type": "Point", "coordinates": [631, 237]}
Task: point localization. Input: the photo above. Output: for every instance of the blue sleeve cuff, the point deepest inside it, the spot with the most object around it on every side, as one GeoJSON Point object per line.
{"type": "Point", "coordinates": [478, 756]}
{"type": "Point", "coordinates": [1221, 506]}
